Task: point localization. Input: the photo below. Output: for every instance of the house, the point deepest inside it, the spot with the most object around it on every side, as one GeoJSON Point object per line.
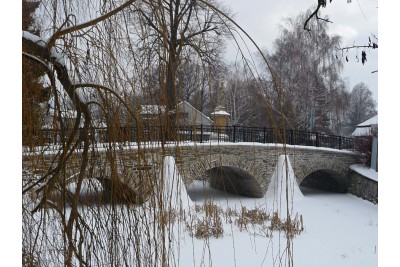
{"type": "Point", "coordinates": [187, 115]}
{"type": "Point", "coordinates": [368, 130]}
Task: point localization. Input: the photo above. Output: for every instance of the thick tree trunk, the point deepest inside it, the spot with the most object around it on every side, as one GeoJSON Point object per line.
{"type": "Point", "coordinates": [170, 99]}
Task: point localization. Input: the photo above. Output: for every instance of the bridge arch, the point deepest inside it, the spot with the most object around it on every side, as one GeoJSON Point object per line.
{"type": "Point", "coordinates": [326, 180]}
{"type": "Point", "coordinates": [260, 161]}
{"type": "Point", "coordinates": [197, 169]}
{"type": "Point", "coordinates": [332, 165]}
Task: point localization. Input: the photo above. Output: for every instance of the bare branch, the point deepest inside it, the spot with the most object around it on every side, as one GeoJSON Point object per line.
{"type": "Point", "coordinates": [81, 26]}
{"type": "Point", "coordinates": [98, 86]}
{"type": "Point", "coordinates": [374, 46]}
{"type": "Point", "coordinates": [315, 14]}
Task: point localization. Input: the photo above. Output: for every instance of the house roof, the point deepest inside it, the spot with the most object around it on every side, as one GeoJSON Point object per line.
{"type": "Point", "coordinates": [369, 122]}
{"type": "Point", "coordinates": [196, 110]}
{"type": "Point", "coordinates": [367, 128]}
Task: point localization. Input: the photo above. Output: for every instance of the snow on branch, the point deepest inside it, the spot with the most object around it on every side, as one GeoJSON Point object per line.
{"type": "Point", "coordinates": [33, 38]}
{"type": "Point", "coordinates": [39, 42]}
{"type": "Point", "coordinates": [40, 53]}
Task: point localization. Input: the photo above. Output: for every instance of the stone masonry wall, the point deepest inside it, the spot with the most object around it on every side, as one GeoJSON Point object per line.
{"type": "Point", "coordinates": [259, 160]}
{"type": "Point", "coordinates": [363, 187]}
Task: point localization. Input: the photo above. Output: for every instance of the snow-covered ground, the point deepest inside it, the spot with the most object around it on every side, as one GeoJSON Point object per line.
{"type": "Point", "coordinates": [340, 230]}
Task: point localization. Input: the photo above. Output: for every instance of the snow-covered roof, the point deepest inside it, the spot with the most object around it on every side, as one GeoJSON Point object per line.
{"type": "Point", "coordinates": [367, 128]}
{"type": "Point", "coordinates": [369, 122]}
{"type": "Point", "coordinates": [219, 110]}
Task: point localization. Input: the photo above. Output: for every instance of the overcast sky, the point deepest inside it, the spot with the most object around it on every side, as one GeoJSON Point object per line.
{"type": "Point", "coordinates": [355, 22]}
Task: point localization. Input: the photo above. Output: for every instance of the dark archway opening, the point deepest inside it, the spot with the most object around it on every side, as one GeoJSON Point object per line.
{"type": "Point", "coordinates": [223, 182]}
{"type": "Point", "coordinates": [324, 180]}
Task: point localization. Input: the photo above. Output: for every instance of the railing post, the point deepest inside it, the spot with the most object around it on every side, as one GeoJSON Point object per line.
{"type": "Point", "coordinates": [234, 133]}
{"type": "Point", "coordinates": [265, 136]}
{"type": "Point", "coordinates": [316, 139]}
{"type": "Point", "coordinates": [340, 142]}
{"type": "Point", "coordinates": [291, 137]}
{"type": "Point", "coordinates": [201, 133]}
{"type": "Point", "coordinates": [162, 135]}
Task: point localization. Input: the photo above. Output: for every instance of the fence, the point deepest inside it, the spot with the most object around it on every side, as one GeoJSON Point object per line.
{"type": "Point", "coordinates": [203, 133]}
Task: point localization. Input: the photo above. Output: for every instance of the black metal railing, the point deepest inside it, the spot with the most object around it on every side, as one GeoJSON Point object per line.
{"type": "Point", "coordinates": [202, 133]}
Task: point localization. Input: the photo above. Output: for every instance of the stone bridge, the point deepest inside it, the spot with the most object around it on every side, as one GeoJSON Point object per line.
{"type": "Point", "coordinates": [321, 167]}
{"type": "Point", "coordinates": [324, 168]}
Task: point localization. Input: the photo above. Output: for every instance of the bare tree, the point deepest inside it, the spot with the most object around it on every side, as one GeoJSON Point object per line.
{"type": "Point", "coordinates": [239, 96]}
{"type": "Point", "coordinates": [362, 106]}
{"type": "Point", "coordinates": [339, 97]}
{"type": "Point", "coordinates": [306, 65]}
{"type": "Point", "coordinates": [176, 30]}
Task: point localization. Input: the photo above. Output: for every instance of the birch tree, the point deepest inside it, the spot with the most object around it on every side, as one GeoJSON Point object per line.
{"type": "Point", "coordinates": [306, 65]}
{"type": "Point", "coordinates": [362, 105]}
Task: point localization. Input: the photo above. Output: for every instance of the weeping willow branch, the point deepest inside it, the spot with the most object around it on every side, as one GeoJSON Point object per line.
{"type": "Point", "coordinates": [111, 91]}
{"type": "Point", "coordinates": [84, 25]}
{"type": "Point", "coordinates": [51, 58]}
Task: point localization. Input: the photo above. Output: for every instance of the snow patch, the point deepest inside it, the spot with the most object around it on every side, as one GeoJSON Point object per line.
{"type": "Point", "coordinates": [283, 178]}
{"type": "Point", "coordinates": [172, 189]}
{"type": "Point", "coordinates": [365, 171]}
{"type": "Point", "coordinates": [33, 38]}
{"type": "Point", "coordinates": [58, 57]}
